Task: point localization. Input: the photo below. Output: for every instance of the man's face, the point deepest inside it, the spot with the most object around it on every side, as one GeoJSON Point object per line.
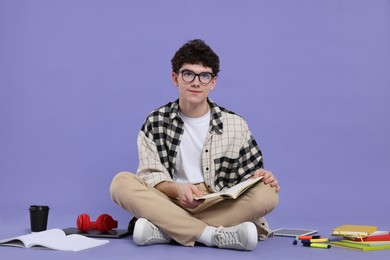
{"type": "Point", "coordinates": [194, 82]}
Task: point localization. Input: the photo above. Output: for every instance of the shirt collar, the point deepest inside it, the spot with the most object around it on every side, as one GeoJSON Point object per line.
{"type": "Point", "coordinates": [215, 114]}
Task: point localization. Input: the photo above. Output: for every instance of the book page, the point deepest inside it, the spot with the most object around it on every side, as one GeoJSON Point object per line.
{"type": "Point", "coordinates": [234, 191]}
{"type": "Point", "coordinates": [15, 243]}
{"type": "Point", "coordinates": [208, 196]}
{"type": "Point", "coordinates": [71, 243]}
{"type": "Point", "coordinates": [26, 240]}
{"type": "Point", "coordinates": [54, 239]}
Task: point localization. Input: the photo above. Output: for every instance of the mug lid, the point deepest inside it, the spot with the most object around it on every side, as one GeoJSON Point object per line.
{"type": "Point", "coordinates": [38, 207]}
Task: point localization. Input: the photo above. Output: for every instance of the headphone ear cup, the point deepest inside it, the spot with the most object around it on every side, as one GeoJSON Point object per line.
{"type": "Point", "coordinates": [105, 223]}
{"type": "Point", "coordinates": [83, 222]}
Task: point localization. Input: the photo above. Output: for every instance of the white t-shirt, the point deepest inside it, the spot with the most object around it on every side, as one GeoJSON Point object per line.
{"type": "Point", "coordinates": [188, 166]}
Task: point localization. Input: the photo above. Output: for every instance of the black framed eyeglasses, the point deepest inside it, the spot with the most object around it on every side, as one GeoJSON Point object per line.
{"type": "Point", "coordinates": [189, 76]}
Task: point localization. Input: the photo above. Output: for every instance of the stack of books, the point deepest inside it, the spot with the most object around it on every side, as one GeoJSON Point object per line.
{"type": "Point", "coordinates": [366, 238]}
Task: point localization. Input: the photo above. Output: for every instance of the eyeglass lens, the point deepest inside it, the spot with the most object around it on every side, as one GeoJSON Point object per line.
{"type": "Point", "coordinates": [189, 76]}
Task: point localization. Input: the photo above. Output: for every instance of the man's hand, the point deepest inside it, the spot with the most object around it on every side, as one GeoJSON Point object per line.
{"type": "Point", "coordinates": [184, 192]}
{"type": "Point", "coordinates": [268, 178]}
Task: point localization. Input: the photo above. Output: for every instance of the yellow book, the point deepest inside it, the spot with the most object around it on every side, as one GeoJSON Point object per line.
{"type": "Point", "coordinates": [354, 230]}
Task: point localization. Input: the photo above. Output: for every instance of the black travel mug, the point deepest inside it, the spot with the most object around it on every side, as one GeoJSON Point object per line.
{"type": "Point", "coordinates": [38, 217]}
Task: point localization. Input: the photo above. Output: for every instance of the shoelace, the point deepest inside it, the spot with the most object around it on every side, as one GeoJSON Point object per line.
{"type": "Point", "coordinates": [226, 237]}
{"type": "Point", "coordinates": [159, 236]}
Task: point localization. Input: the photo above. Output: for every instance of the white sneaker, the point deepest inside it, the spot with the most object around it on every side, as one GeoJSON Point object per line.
{"type": "Point", "coordinates": [146, 233]}
{"type": "Point", "coordinates": [240, 237]}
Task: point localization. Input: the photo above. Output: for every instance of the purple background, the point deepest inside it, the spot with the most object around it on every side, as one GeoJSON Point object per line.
{"type": "Point", "coordinates": [77, 79]}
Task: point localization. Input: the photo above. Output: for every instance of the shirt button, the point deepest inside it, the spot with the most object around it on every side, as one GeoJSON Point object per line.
{"type": "Point", "coordinates": [207, 168]}
{"type": "Point", "coordinates": [207, 151]}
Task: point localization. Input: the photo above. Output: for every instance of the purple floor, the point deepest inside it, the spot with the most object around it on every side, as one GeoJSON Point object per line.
{"type": "Point", "coordinates": [124, 248]}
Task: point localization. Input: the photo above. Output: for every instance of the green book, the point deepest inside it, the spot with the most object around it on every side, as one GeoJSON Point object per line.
{"type": "Point", "coordinates": [361, 245]}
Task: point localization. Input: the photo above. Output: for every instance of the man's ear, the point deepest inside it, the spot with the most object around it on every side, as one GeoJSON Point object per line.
{"type": "Point", "coordinates": [174, 78]}
{"type": "Point", "coordinates": [213, 82]}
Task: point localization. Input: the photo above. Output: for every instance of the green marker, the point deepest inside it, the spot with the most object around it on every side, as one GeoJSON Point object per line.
{"type": "Point", "coordinates": [317, 245]}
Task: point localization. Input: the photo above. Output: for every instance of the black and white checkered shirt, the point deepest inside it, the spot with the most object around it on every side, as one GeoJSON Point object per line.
{"type": "Point", "coordinates": [230, 154]}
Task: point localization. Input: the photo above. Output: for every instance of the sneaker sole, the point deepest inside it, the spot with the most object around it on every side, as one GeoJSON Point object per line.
{"type": "Point", "coordinates": [252, 235]}
{"type": "Point", "coordinates": [138, 231]}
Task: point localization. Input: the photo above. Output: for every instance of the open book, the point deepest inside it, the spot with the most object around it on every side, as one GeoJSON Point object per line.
{"type": "Point", "coordinates": [233, 192]}
{"type": "Point", "coordinates": [53, 239]}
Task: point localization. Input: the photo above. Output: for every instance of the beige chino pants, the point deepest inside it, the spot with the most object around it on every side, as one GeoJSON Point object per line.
{"type": "Point", "coordinates": [186, 225]}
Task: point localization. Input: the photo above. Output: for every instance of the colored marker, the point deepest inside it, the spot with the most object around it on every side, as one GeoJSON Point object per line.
{"type": "Point", "coordinates": [315, 240]}
{"type": "Point", "coordinates": [308, 237]}
{"type": "Point", "coordinates": [316, 245]}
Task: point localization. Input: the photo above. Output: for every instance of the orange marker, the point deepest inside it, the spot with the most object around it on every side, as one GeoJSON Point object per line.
{"type": "Point", "coordinates": [307, 237]}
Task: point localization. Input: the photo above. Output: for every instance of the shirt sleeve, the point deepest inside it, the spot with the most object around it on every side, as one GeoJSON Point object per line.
{"type": "Point", "coordinates": [150, 168]}
{"type": "Point", "coordinates": [251, 158]}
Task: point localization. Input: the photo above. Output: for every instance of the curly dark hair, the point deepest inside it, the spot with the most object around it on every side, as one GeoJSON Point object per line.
{"type": "Point", "coordinates": [195, 52]}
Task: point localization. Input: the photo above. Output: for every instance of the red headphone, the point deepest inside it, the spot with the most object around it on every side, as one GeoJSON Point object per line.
{"type": "Point", "coordinates": [104, 223]}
